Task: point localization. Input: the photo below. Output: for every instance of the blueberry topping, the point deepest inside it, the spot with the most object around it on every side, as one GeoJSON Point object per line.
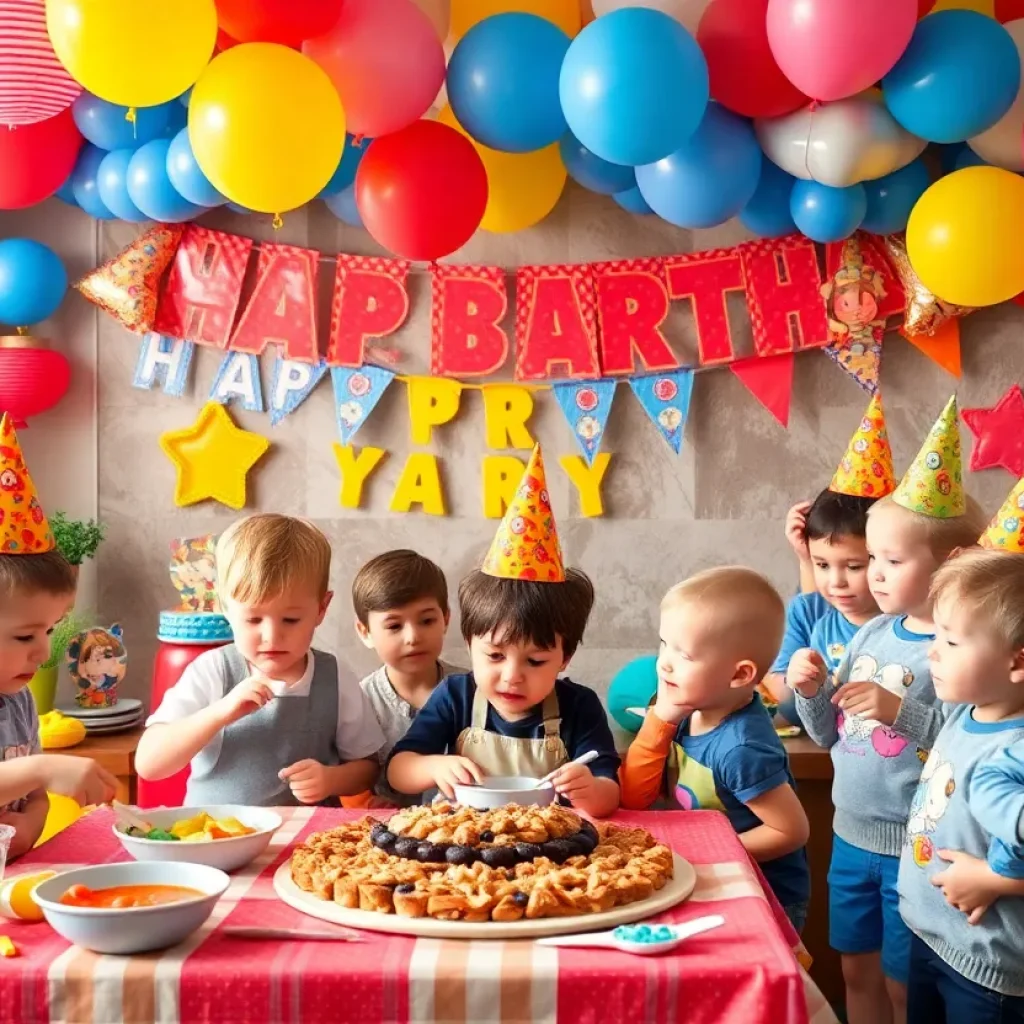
{"type": "Point", "coordinates": [405, 887]}
{"type": "Point", "coordinates": [557, 850]}
{"type": "Point", "coordinates": [487, 836]}
{"type": "Point", "coordinates": [528, 851]}
{"type": "Point", "coordinates": [382, 839]}
{"type": "Point", "coordinates": [460, 855]}
{"type": "Point", "coordinates": [588, 828]}
{"type": "Point", "coordinates": [377, 827]}
{"type": "Point", "coordinates": [498, 856]}
{"type": "Point", "coordinates": [427, 852]}
{"type": "Point", "coordinates": [407, 848]}
{"type": "Point", "coordinates": [520, 899]}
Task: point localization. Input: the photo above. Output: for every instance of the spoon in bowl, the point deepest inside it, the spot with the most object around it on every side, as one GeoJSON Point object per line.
{"type": "Point", "coordinates": [643, 940]}
{"type": "Point", "coordinates": [586, 758]}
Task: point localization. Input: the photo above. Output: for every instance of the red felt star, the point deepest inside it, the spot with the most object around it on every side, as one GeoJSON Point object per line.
{"type": "Point", "coordinates": [999, 433]}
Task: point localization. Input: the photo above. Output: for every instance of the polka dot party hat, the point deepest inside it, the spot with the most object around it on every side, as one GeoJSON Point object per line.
{"type": "Point", "coordinates": [1006, 531]}
{"type": "Point", "coordinates": [866, 469]}
{"type": "Point", "coordinates": [933, 486]}
{"type": "Point", "coordinates": [23, 526]}
{"type": "Point", "coordinates": [526, 545]}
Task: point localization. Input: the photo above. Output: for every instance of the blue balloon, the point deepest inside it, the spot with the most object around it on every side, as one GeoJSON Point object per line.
{"type": "Point", "coordinates": [503, 82]}
{"type": "Point", "coordinates": [767, 213]}
{"type": "Point", "coordinates": [84, 182]}
{"type": "Point", "coordinates": [185, 97]}
{"type": "Point", "coordinates": [345, 173]}
{"type": "Point", "coordinates": [105, 124]}
{"type": "Point", "coordinates": [112, 181]}
{"type": "Point", "coordinates": [968, 158]}
{"type": "Point", "coordinates": [632, 200]}
{"type": "Point", "coordinates": [591, 171]}
{"type": "Point", "coordinates": [343, 206]}
{"type": "Point", "coordinates": [150, 187]}
{"type": "Point", "coordinates": [958, 76]}
{"type": "Point", "coordinates": [66, 193]}
{"type": "Point", "coordinates": [238, 208]}
{"type": "Point", "coordinates": [826, 214]}
{"type": "Point", "coordinates": [635, 685]}
{"type": "Point", "coordinates": [949, 155]}
{"type": "Point", "coordinates": [710, 178]}
{"type": "Point", "coordinates": [177, 118]}
{"type": "Point", "coordinates": [32, 282]}
{"type": "Point", "coordinates": [890, 199]}
{"type": "Point", "coordinates": [185, 175]}
{"type": "Point", "coordinates": [634, 86]}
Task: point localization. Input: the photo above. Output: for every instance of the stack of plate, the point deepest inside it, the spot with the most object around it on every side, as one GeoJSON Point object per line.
{"type": "Point", "coordinates": [125, 714]}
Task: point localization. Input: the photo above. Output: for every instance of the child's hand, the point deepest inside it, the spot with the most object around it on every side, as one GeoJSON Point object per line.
{"type": "Point", "coordinates": [80, 778]}
{"type": "Point", "coordinates": [796, 529]}
{"type": "Point", "coordinates": [668, 708]}
{"type": "Point", "coordinates": [449, 769]}
{"type": "Point", "coordinates": [868, 700]}
{"type": "Point", "coordinates": [307, 780]}
{"type": "Point", "coordinates": [575, 782]}
{"type": "Point", "coordinates": [807, 672]}
{"type": "Point", "coordinates": [968, 884]}
{"type": "Point", "coordinates": [244, 699]}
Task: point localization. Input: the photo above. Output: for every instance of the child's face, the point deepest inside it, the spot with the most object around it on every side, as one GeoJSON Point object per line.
{"type": "Point", "coordinates": [407, 639]}
{"type": "Point", "coordinates": [514, 678]}
{"type": "Point", "coordinates": [902, 563]}
{"type": "Point", "coordinates": [26, 621]}
{"type": "Point", "coordinates": [841, 574]}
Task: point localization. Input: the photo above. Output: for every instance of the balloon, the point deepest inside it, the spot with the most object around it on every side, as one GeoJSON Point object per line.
{"type": "Point", "coordinates": [66, 194]}
{"type": "Point", "coordinates": [386, 62]}
{"type": "Point", "coordinates": [767, 213]}
{"type": "Point", "coordinates": [135, 54]}
{"type": "Point", "coordinates": [924, 6]}
{"type": "Point", "coordinates": [743, 73]}
{"type": "Point", "coordinates": [289, 22]}
{"type": "Point", "coordinates": [591, 171]}
{"type": "Point", "coordinates": [36, 159]}
{"type": "Point", "coordinates": [828, 51]}
{"type": "Point", "coordinates": [963, 237]}
{"type": "Point", "coordinates": [1001, 144]}
{"type": "Point", "coordinates": [502, 100]}
{"type": "Point", "coordinates": [112, 186]}
{"type": "Point", "coordinates": [107, 126]}
{"type": "Point", "coordinates": [839, 144]}
{"type": "Point", "coordinates": [959, 76]}
{"type": "Point", "coordinates": [890, 199]}
{"type": "Point", "coordinates": [266, 127]}
{"type": "Point", "coordinates": [177, 118]}
{"type": "Point", "coordinates": [634, 86]}
{"type": "Point", "coordinates": [1008, 10]}
{"type": "Point", "coordinates": [185, 175]}
{"type": "Point", "coordinates": [686, 12]}
{"type": "Point", "coordinates": [522, 188]}
{"type": "Point", "coordinates": [827, 214]}
{"type": "Point", "coordinates": [467, 13]}
{"type": "Point", "coordinates": [710, 178]}
{"type": "Point", "coordinates": [343, 205]}
{"type": "Point", "coordinates": [968, 158]}
{"type": "Point", "coordinates": [85, 183]}
{"type": "Point", "coordinates": [440, 14]}
{"type": "Point", "coordinates": [422, 192]}
{"type": "Point", "coordinates": [345, 173]}
{"type": "Point", "coordinates": [985, 7]}
{"type": "Point", "coordinates": [632, 201]}
{"type": "Point", "coordinates": [635, 685]}
{"type": "Point", "coordinates": [32, 282]}
{"type": "Point", "coordinates": [150, 188]}
{"type": "Point", "coordinates": [238, 208]}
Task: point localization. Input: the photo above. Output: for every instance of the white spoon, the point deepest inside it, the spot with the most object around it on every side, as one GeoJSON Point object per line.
{"type": "Point", "coordinates": [586, 758]}
{"type": "Point", "coordinates": [680, 932]}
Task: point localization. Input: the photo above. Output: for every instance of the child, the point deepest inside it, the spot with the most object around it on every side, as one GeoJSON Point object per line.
{"type": "Point", "coordinates": [401, 604]}
{"type": "Point", "coordinates": [523, 616]}
{"type": "Point", "coordinates": [37, 587]}
{"type": "Point", "coordinates": [266, 720]}
{"type": "Point", "coordinates": [961, 869]}
{"type": "Point", "coordinates": [708, 741]}
{"type": "Point", "coordinates": [879, 717]}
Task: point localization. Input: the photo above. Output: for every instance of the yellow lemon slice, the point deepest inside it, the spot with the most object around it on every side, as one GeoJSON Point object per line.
{"type": "Point", "coordinates": [17, 900]}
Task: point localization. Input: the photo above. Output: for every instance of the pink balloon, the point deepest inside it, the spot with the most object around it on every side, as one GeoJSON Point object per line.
{"type": "Point", "coordinates": [386, 62]}
{"type": "Point", "coordinates": [830, 50]}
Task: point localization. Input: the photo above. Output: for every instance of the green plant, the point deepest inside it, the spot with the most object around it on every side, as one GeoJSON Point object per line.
{"type": "Point", "coordinates": [63, 633]}
{"type": "Point", "coordinates": [77, 539]}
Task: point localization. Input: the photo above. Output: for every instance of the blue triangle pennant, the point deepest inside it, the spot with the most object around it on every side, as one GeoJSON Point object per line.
{"type": "Point", "coordinates": [586, 406]}
{"type": "Point", "coordinates": [293, 383]}
{"type": "Point", "coordinates": [238, 380]}
{"type": "Point", "coordinates": [356, 393]}
{"type": "Point", "coordinates": [665, 397]}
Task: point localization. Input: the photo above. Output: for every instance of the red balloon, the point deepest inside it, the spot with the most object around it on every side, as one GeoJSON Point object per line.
{"type": "Point", "coordinates": [421, 191]}
{"type": "Point", "coordinates": [289, 22]}
{"type": "Point", "coordinates": [925, 6]}
{"type": "Point", "coordinates": [1005, 10]}
{"type": "Point", "coordinates": [224, 41]}
{"type": "Point", "coordinates": [36, 159]}
{"type": "Point", "coordinates": [744, 75]}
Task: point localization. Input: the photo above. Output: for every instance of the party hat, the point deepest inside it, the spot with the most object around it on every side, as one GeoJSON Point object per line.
{"type": "Point", "coordinates": [23, 526]}
{"type": "Point", "coordinates": [1006, 531]}
{"type": "Point", "coordinates": [933, 486]}
{"type": "Point", "coordinates": [526, 545]}
{"type": "Point", "coordinates": [866, 469]}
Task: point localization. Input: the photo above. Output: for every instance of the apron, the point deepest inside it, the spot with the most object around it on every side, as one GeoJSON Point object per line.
{"type": "Point", "coordinates": [513, 755]}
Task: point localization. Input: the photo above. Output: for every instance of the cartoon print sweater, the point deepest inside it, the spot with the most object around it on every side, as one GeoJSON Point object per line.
{"type": "Point", "coordinates": [876, 766]}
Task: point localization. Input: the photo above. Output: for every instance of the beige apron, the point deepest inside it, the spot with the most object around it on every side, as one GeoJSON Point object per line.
{"type": "Point", "coordinates": [512, 755]}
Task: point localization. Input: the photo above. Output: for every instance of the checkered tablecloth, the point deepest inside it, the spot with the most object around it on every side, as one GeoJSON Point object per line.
{"type": "Point", "coordinates": [745, 972]}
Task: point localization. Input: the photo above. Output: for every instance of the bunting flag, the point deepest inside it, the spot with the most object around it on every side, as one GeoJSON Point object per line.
{"type": "Point", "coordinates": [238, 380]}
{"type": "Point", "coordinates": [666, 400]}
{"type": "Point", "coordinates": [356, 393]}
{"type": "Point", "coordinates": [163, 360]}
{"type": "Point", "coordinates": [862, 360]}
{"type": "Point", "coordinates": [942, 346]}
{"type": "Point", "coordinates": [770, 380]}
{"type": "Point", "coordinates": [586, 406]}
{"type": "Point", "coordinates": [292, 384]}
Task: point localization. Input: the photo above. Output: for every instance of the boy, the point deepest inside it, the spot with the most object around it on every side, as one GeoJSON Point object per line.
{"type": "Point", "coordinates": [267, 720]}
{"type": "Point", "coordinates": [879, 716]}
{"type": "Point", "coordinates": [708, 741]}
{"type": "Point", "coordinates": [523, 616]}
{"type": "Point", "coordinates": [961, 869]}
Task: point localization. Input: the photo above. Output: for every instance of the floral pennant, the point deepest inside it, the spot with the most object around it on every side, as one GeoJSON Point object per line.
{"type": "Point", "coordinates": [665, 398]}
{"type": "Point", "coordinates": [586, 406]}
{"type": "Point", "coordinates": [293, 383]}
{"type": "Point", "coordinates": [356, 393]}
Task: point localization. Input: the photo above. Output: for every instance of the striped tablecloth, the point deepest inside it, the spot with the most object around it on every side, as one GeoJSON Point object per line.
{"type": "Point", "coordinates": [742, 973]}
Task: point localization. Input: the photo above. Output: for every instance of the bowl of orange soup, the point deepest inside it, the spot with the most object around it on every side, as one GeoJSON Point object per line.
{"type": "Point", "coordinates": [131, 907]}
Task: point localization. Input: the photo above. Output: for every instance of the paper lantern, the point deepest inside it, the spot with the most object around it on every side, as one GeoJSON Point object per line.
{"type": "Point", "coordinates": [33, 378]}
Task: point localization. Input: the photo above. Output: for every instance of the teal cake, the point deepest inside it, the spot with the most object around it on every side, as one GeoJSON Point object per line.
{"type": "Point", "coordinates": [180, 627]}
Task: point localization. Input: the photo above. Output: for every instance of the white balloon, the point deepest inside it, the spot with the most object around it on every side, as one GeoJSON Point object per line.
{"type": "Point", "coordinates": [839, 144]}
{"type": "Point", "coordinates": [687, 12]}
{"type": "Point", "coordinates": [1002, 145]}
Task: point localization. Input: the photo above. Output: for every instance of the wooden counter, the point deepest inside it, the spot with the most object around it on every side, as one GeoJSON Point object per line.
{"type": "Point", "coordinates": [116, 753]}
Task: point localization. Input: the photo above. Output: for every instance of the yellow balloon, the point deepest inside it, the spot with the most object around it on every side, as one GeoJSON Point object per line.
{"type": "Point", "coordinates": [137, 53]}
{"type": "Point", "coordinates": [522, 188]}
{"type": "Point", "coordinates": [466, 13]}
{"type": "Point", "coordinates": [266, 126]}
{"type": "Point", "coordinates": [963, 237]}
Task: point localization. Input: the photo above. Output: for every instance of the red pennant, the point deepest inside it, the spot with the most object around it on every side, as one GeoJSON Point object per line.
{"type": "Point", "coordinates": [706, 278]}
{"type": "Point", "coordinates": [770, 380]}
{"type": "Point", "coordinates": [467, 307]}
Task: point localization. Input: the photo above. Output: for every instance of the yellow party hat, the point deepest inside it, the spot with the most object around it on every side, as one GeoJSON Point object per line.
{"type": "Point", "coordinates": [866, 469]}
{"type": "Point", "coordinates": [1006, 531]}
{"type": "Point", "coordinates": [526, 545]}
{"type": "Point", "coordinates": [23, 526]}
{"type": "Point", "coordinates": [933, 486]}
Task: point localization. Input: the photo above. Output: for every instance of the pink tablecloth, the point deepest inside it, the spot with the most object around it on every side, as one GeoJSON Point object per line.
{"type": "Point", "coordinates": [742, 973]}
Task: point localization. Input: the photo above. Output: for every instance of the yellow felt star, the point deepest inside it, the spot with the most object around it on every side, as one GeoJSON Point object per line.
{"type": "Point", "coordinates": [212, 458]}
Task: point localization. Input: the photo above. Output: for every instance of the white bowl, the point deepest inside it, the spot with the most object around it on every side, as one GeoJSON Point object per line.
{"type": "Point", "coordinates": [498, 790]}
{"type": "Point", "coordinates": [226, 854]}
{"type": "Point", "coordinates": [123, 930]}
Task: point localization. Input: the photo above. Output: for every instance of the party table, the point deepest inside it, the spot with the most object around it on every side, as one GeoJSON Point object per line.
{"type": "Point", "coordinates": [745, 972]}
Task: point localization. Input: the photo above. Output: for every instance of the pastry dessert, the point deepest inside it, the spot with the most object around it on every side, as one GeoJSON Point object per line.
{"type": "Point", "coordinates": [458, 864]}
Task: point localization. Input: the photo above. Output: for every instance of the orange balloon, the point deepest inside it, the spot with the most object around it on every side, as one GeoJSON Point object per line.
{"type": "Point", "coordinates": [564, 13]}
